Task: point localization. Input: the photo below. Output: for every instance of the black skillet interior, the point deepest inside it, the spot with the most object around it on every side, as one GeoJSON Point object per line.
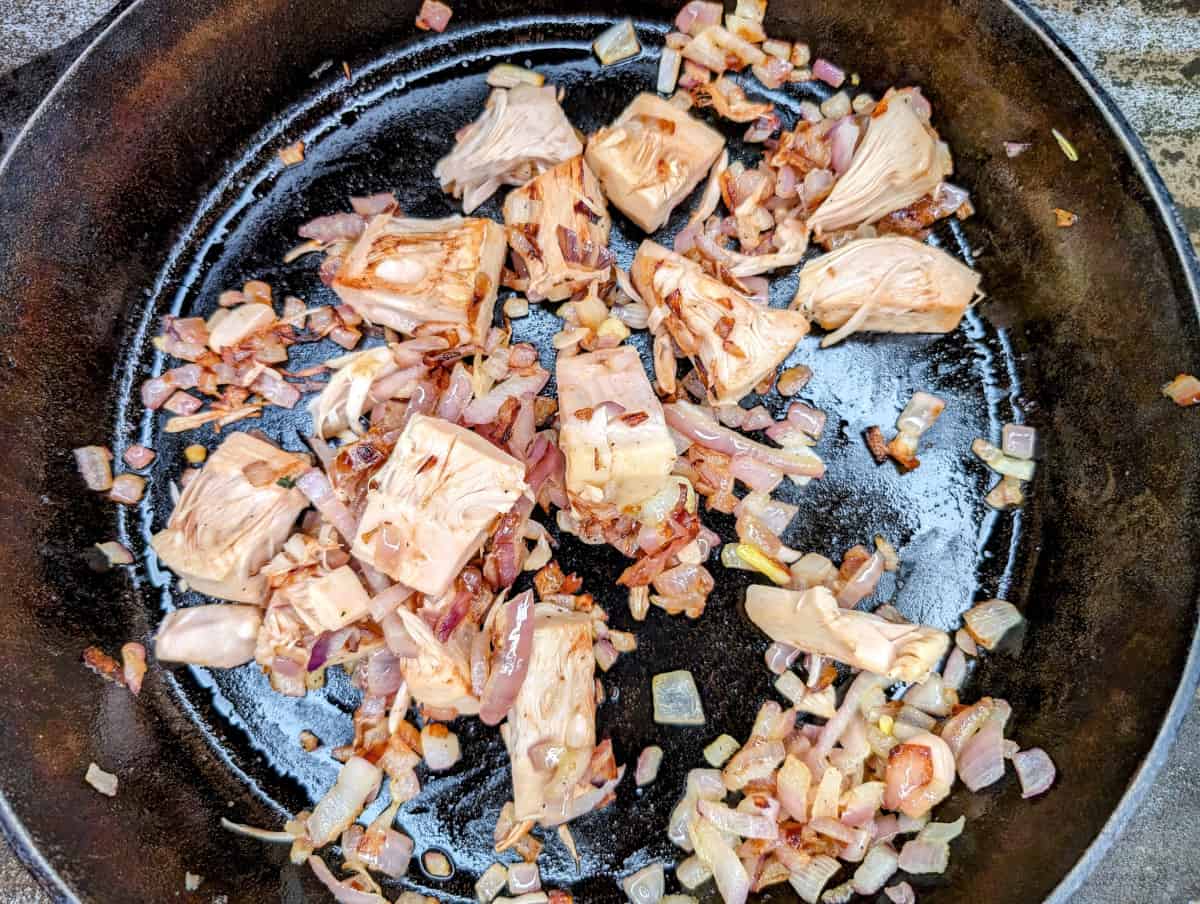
{"type": "Point", "coordinates": [153, 182]}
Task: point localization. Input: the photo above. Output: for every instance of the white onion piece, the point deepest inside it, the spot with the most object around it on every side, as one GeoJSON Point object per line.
{"type": "Point", "coordinates": [94, 468]}
{"type": "Point", "coordinates": [524, 878]}
{"type": "Point", "coordinates": [810, 879]}
{"type": "Point", "coordinates": [990, 620]}
{"type": "Point", "coordinates": [1036, 771]}
{"type": "Point", "coordinates": [676, 700]}
{"type": "Point", "coordinates": [780, 657]}
{"type": "Point", "coordinates": [877, 867]}
{"type": "Point", "coordinates": [646, 886]}
{"type": "Point", "coordinates": [104, 782]}
{"type": "Point", "coordinates": [737, 822]}
{"type": "Point", "coordinates": [901, 894]}
{"type": "Point", "coordinates": [491, 883]}
{"type": "Point", "coordinates": [506, 75]}
{"type": "Point", "coordinates": [981, 762]}
{"type": "Point", "coordinates": [918, 857]}
{"type": "Point", "coordinates": [648, 763]}
{"type": "Point", "coordinates": [1018, 441]}
{"type": "Point", "coordinates": [792, 785]}
{"type": "Point", "coordinates": [920, 413]}
{"type": "Point", "coordinates": [942, 832]}
{"type": "Point", "coordinates": [692, 873]}
{"type": "Point", "coordinates": [668, 69]}
{"type": "Point", "coordinates": [732, 880]}
{"type": "Point", "coordinates": [440, 747]}
{"type": "Point", "coordinates": [357, 783]}
{"type": "Point", "coordinates": [932, 696]}
{"type": "Point", "coordinates": [617, 43]}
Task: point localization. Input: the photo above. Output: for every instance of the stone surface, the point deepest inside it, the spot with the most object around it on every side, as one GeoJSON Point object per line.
{"type": "Point", "coordinates": [1147, 54]}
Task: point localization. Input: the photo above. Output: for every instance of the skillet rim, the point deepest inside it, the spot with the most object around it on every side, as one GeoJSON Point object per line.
{"type": "Point", "coordinates": [31, 856]}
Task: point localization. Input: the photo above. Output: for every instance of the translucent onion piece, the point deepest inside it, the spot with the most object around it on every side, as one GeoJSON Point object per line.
{"type": "Point", "coordinates": [1036, 771]}
{"type": "Point", "coordinates": [990, 620]}
{"type": "Point", "coordinates": [717, 753]}
{"type": "Point", "coordinates": [1018, 441]}
{"type": "Point", "coordinates": [617, 43]}
{"type": "Point", "coordinates": [676, 699]}
{"type": "Point", "coordinates": [646, 886]}
{"type": "Point", "coordinates": [491, 883]}
{"type": "Point", "coordinates": [505, 75]}
{"type": "Point", "coordinates": [810, 879]}
{"type": "Point", "coordinates": [668, 70]}
{"type": "Point", "coordinates": [647, 765]}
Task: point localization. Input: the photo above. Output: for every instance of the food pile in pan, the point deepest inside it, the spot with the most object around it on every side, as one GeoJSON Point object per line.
{"type": "Point", "coordinates": [408, 544]}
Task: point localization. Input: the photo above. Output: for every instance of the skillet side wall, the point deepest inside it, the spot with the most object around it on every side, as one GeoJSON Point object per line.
{"type": "Point", "coordinates": [1099, 316]}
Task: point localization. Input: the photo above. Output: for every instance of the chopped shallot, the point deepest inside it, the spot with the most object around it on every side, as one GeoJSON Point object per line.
{"type": "Point", "coordinates": [647, 765]}
{"type": "Point", "coordinates": [104, 782]}
{"type": "Point", "coordinates": [989, 621]}
{"type": "Point", "coordinates": [676, 700]}
{"type": "Point", "coordinates": [434, 16]}
{"type": "Point", "coordinates": [1036, 771]}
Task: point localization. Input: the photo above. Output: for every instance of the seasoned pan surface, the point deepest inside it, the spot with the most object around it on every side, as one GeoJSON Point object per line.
{"type": "Point", "coordinates": [151, 182]}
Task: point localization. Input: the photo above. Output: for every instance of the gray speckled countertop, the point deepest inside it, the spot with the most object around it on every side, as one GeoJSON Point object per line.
{"type": "Point", "coordinates": [1147, 53]}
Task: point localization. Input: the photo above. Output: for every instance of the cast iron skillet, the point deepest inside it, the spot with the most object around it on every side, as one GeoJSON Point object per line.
{"type": "Point", "coordinates": [149, 179]}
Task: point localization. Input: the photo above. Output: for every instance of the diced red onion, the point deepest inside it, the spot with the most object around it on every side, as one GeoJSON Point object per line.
{"type": "Point", "coordinates": [1018, 441]}
{"type": "Point", "coordinates": [524, 878]}
{"type": "Point", "coordinates": [138, 457]}
{"type": "Point", "coordinates": [812, 877]}
{"type": "Point", "coordinates": [981, 762]}
{"type": "Point", "coordinates": [955, 671]}
{"type": "Point", "coordinates": [155, 392]}
{"type": "Point", "coordinates": [697, 15]}
{"type": "Point", "coordinates": [395, 854]}
{"type": "Point", "coordinates": [691, 421]}
{"type": "Point", "coordinates": [759, 824]}
{"type": "Point", "coordinates": [315, 485]}
{"type": "Point", "coordinates": [370, 205]}
{"type": "Point", "coordinates": [342, 892]}
{"type": "Point", "coordinates": [485, 410]}
{"type": "Point", "coordinates": [1035, 770]}
{"type": "Point", "coordinates": [863, 583]}
{"type": "Point", "coordinates": [901, 894]}
{"type": "Point", "coordinates": [733, 882]}
{"type": "Point", "coordinates": [780, 657]}
{"type": "Point", "coordinates": [386, 601]}
{"type": "Point", "coordinates": [127, 489]}
{"type": "Point", "coordinates": [434, 16]}
{"type": "Point", "coordinates": [384, 676]}
{"type": "Point", "coordinates": [844, 139]}
{"type": "Point", "coordinates": [513, 660]}
{"type": "Point", "coordinates": [647, 765]}
{"type": "Point", "coordinates": [755, 473]}
{"type": "Point", "coordinates": [825, 71]}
